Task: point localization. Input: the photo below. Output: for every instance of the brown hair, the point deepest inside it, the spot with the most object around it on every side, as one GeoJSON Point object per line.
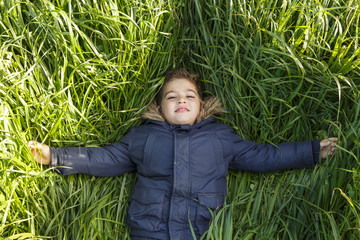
{"type": "Point", "coordinates": [177, 74]}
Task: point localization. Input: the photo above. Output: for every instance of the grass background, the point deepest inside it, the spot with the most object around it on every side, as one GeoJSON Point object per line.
{"type": "Point", "coordinates": [80, 73]}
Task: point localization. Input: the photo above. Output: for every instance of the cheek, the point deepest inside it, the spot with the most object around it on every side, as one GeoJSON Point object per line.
{"type": "Point", "coordinates": [165, 109]}
{"type": "Point", "coordinates": [198, 107]}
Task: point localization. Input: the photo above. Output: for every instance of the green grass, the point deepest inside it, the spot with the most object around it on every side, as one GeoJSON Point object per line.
{"type": "Point", "coordinates": [80, 73]}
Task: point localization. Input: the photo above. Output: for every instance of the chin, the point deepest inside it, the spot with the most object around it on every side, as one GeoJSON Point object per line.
{"type": "Point", "coordinates": [186, 122]}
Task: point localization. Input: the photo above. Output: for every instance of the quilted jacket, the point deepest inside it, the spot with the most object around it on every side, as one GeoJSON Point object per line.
{"type": "Point", "coordinates": [181, 171]}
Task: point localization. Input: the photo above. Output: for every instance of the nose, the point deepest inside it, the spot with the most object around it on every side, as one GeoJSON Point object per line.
{"type": "Point", "coordinates": [181, 99]}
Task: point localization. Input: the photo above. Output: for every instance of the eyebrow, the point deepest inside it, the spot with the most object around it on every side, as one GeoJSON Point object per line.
{"type": "Point", "coordinates": [189, 90]}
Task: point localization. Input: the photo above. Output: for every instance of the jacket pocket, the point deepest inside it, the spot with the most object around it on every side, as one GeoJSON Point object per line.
{"type": "Point", "coordinates": [208, 204]}
{"type": "Point", "coordinates": [146, 209]}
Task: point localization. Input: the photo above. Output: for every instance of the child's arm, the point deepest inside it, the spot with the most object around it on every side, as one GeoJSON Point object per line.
{"type": "Point", "coordinates": [251, 156]}
{"type": "Point", "coordinates": [111, 160]}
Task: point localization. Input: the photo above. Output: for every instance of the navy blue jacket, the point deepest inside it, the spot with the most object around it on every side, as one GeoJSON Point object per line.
{"type": "Point", "coordinates": [181, 171]}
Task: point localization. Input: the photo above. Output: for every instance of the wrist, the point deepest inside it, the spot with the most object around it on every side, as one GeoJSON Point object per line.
{"type": "Point", "coordinates": [316, 150]}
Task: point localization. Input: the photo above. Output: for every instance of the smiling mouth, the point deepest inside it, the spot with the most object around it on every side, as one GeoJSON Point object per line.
{"type": "Point", "coordinates": [179, 110]}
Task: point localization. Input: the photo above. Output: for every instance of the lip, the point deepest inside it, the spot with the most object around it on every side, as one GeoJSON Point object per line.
{"type": "Point", "coordinates": [182, 109]}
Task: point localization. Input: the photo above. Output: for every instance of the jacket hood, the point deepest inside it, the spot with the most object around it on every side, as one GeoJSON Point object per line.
{"type": "Point", "coordinates": [209, 107]}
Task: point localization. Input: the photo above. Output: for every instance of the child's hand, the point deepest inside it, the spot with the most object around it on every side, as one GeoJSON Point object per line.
{"type": "Point", "coordinates": [41, 152]}
{"type": "Point", "coordinates": [327, 147]}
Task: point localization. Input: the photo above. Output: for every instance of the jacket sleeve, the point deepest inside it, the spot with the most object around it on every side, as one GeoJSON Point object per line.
{"type": "Point", "coordinates": [111, 160]}
{"type": "Point", "coordinates": [255, 157]}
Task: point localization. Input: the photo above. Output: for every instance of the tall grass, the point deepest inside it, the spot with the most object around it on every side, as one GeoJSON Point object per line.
{"type": "Point", "coordinates": [285, 70]}
{"type": "Point", "coordinates": [80, 73]}
{"type": "Point", "coordinates": [74, 73]}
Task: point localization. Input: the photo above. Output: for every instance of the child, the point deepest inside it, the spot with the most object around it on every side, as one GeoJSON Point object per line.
{"type": "Point", "coordinates": [181, 156]}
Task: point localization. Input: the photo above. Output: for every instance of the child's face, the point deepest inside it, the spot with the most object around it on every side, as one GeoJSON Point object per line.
{"type": "Point", "coordinates": [180, 103]}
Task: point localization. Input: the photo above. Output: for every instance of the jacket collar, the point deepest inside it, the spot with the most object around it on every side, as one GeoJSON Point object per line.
{"type": "Point", "coordinates": [182, 127]}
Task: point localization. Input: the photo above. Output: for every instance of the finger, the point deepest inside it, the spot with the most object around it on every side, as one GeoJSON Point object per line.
{"type": "Point", "coordinates": [33, 144]}
{"type": "Point", "coordinates": [35, 152]}
{"type": "Point", "coordinates": [328, 142]}
{"type": "Point", "coordinates": [37, 145]}
{"type": "Point", "coordinates": [324, 143]}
